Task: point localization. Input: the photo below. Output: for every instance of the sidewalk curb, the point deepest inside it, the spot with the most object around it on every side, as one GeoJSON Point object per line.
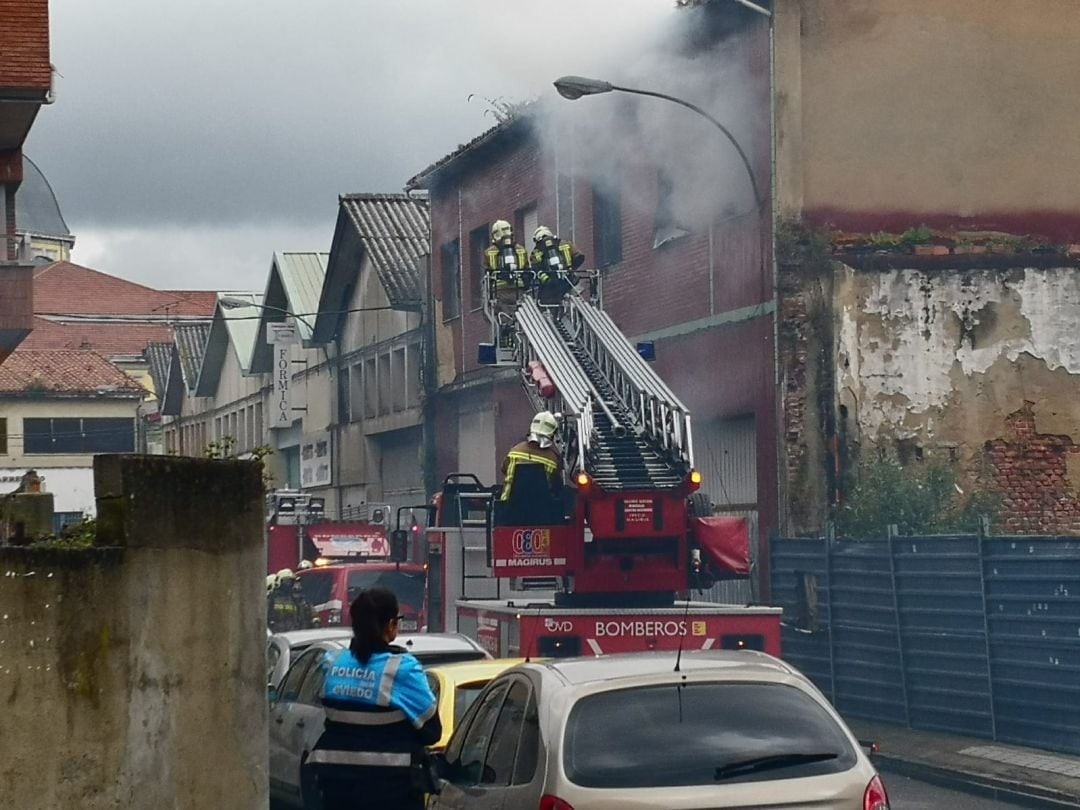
{"type": "Point", "coordinates": [977, 783]}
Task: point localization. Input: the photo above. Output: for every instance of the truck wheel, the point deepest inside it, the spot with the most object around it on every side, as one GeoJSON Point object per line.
{"type": "Point", "coordinates": [700, 505]}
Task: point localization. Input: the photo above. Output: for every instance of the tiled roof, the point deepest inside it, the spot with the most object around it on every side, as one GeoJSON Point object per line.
{"type": "Point", "coordinates": [65, 373]}
{"type": "Point", "coordinates": [24, 45]}
{"type": "Point", "coordinates": [159, 358]}
{"type": "Point", "coordinates": [63, 288]}
{"type": "Point", "coordinates": [396, 231]}
{"type": "Point", "coordinates": [110, 339]}
{"type": "Point", "coordinates": [519, 122]}
{"type": "Point", "coordinates": [204, 299]}
{"type": "Point", "coordinates": [190, 339]}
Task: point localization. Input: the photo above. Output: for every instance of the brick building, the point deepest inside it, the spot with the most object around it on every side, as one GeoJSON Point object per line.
{"type": "Point", "coordinates": [699, 285]}
{"type": "Point", "coordinates": [25, 85]}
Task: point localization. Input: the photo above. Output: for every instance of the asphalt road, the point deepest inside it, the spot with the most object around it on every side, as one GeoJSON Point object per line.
{"type": "Point", "coordinates": [908, 794]}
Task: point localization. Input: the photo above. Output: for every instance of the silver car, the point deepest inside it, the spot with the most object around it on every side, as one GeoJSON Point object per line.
{"type": "Point", "coordinates": [296, 713]}
{"type": "Point", "coordinates": [729, 729]}
{"type": "Point", "coordinates": [282, 649]}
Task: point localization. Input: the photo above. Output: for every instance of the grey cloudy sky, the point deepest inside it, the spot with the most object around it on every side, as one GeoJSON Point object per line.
{"type": "Point", "coordinates": [190, 140]}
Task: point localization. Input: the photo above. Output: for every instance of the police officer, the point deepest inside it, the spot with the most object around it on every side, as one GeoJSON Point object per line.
{"type": "Point", "coordinates": [380, 713]}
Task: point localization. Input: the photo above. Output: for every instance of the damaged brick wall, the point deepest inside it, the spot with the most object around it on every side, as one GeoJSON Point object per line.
{"type": "Point", "coordinates": [1037, 475]}
{"type": "Point", "coordinates": [972, 362]}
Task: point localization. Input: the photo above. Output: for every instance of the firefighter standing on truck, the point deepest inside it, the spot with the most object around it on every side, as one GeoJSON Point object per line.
{"type": "Point", "coordinates": [507, 266]}
{"type": "Point", "coordinates": [553, 260]}
{"type": "Point", "coordinates": [380, 713]}
{"type": "Point", "coordinates": [538, 448]}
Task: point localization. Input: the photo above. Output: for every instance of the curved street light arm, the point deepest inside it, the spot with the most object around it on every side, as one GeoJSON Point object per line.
{"type": "Point", "coordinates": [727, 133]}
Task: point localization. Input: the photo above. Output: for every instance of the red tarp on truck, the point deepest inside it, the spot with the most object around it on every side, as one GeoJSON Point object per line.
{"type": "Point", "coordinates": [724, 543]}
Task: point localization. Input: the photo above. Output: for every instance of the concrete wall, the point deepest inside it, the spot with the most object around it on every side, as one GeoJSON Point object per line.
{"type": "Point", "coordinates": [951, 112]}
{"type": "Point", "coordinates": [133, 676]}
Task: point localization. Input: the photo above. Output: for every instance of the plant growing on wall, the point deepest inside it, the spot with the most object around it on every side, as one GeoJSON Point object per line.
{"type": "Point", "coordinates": [225, 447]}
{"type": "Point", "coordinates": [918, 498]}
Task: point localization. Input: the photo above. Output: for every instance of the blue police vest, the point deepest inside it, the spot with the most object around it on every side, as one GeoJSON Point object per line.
{"type": "Point", "coordinates": [387, 681]}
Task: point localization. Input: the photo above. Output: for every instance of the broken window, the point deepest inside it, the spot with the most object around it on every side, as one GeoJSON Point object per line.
{"type": "Point", "coordinates": [666, 227]}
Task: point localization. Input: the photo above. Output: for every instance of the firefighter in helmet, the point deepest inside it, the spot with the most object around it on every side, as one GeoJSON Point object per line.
{"type": "Point", "coordinates": [286, 608]}
{"type": "Point", "coordinates": [507, 266]}
{"type": "Point", "coordinates": [537, 448]}
{"type": "Point", "coordinates": [553, 260]}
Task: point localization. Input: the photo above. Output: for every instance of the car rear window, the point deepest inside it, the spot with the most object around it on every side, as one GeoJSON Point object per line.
{"type": "Point", "coordinates": [665, 736]}
{"type": "Point", "coordinates": [464, 697]}
{"type": "Point", "coordinates": [432, 659]}
{"type": "Point", "coordinates": [407, 585]}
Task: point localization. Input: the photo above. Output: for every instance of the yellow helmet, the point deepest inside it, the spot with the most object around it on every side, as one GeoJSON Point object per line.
{"type": "Point", "coordinates": [501, 229]}
{"type": "Point", "coordinates": [271, 581]}
{"type": "Point", "coordinates": [543, 232]}
{"type": "Point", "coordinates": [544, 425]}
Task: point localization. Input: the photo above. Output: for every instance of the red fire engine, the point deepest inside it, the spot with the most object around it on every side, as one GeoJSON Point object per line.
{"type": "Point", "coordinates": [608, 563]}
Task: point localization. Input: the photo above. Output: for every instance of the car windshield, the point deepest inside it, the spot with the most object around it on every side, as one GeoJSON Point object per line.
{"type": "Point", "coordinates": [408, 585]}
{"type": "Point", "coordinates": [317, 586]}
{"type": "Point", "coordinates": [664, 736]}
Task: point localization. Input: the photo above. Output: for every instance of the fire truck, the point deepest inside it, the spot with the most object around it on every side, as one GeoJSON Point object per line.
{"type": "Point", "coordinates": [347, 556]}
{"type": "Point", "coordinates": [609, 564]}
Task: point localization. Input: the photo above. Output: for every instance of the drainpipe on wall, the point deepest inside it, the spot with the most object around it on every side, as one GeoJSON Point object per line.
{"type": "Point", "coordinates": [429, 366]}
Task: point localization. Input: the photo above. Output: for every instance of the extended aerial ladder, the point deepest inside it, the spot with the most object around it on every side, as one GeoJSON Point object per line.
{"type": "Point", "coordinates": [622, 535]}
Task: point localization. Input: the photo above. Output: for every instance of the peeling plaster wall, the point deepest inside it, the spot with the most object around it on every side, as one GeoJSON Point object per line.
{"type": "Point", "coordinates": [951, 360]}
{"type": "Point", "coordinates": [931, 355]}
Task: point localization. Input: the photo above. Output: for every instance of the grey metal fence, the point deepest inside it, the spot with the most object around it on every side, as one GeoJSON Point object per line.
{"type": "Point", "coordinates": [971, 634]}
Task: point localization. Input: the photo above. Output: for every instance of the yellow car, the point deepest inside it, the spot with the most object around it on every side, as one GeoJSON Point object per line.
{"type": "Point", "coordinates": [457, 685]}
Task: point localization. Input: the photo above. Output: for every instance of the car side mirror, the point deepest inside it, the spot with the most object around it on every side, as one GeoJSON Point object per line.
{"type": "Point", "coordinates": [399, 545]}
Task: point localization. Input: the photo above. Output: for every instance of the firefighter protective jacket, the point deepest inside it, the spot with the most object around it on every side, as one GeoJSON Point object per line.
{"type": "Point", "coordinates": [509, 264]}
{"type": "Point", "coordinates": [552, 258]}
{"type": "Point", "coordinates": [527, 452]}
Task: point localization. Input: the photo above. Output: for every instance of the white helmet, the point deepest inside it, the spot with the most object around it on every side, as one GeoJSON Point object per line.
{"type": "Point", "coordinates": [306, 564]}
{"type": "Point", "coordinates": [285, 575]}
{"type": "Point", "coordinates": [543, 232]}
{"type": "Point", "coordinates": [543, 428]}
{"type": "Point", "coordinates": [271, 581]}
{"type": "Point", "coordinates": [501, 229]}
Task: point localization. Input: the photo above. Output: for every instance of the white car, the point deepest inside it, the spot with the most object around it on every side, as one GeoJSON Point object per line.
{"type": "Point", "coordinates": [725, 730]}
{"type": "Point", "coordinates": [282, 649]}
{"type": "Point", "coordinates": [296, 714]}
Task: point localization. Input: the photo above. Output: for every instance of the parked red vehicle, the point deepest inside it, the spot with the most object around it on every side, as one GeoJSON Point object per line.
{"type": "Point", "coordinates": [330, 588]}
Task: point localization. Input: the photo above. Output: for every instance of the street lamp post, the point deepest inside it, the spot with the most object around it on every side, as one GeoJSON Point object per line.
{"type": "Point", "coordinates": [231, 302]}
{"type": "Point", "coordinates": [574, 87]}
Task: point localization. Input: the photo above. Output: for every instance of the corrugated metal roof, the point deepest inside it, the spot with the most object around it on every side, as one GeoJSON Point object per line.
{"type": "Point", "coordinates": [231, 327]}
{"type": "Point", "coordinates": [190, 340]}
{"type": "Point", "coordinates": [242, 325]}
{"type": "Point", "coordinates": [158, 358]}
{"type": "Point", "coordinates": [302, 276]}
{"type": "Point", "coordinates": [396, 231]}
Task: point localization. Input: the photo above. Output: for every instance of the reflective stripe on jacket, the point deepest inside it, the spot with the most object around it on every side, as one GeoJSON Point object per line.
{"type": "Point", "coordinates": [529, 453]}
{"type": "Point", "coordinates": [552, 259]}
{"type": "Point", "coordinates": [507, 277]}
